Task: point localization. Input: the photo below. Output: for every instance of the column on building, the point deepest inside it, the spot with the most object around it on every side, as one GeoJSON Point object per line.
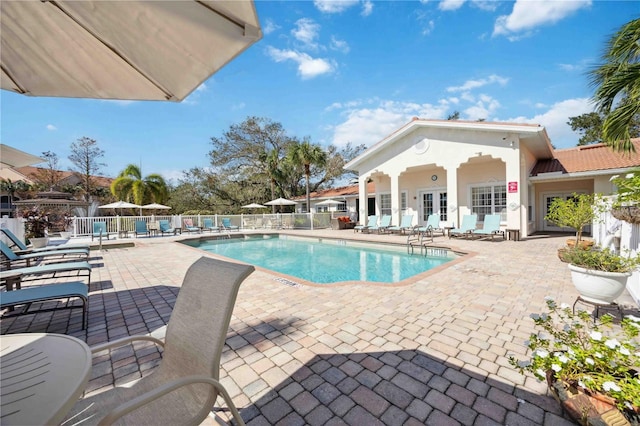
{"type": "Point", "coordinates": [362, 194]}
{"type": "Point", "coordinates": [452, 195]}
{"type": "Point", "coordinates": [395, 199]}
{"type": "Point", "coordinates": [516, 204]}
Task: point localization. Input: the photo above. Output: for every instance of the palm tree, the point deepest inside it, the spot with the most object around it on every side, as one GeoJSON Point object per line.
{"type": "Point", "coordinates": [618, 78]}
{"type": "Point", "coordinates": [306, 154]}
{"type": "Point", "coordinates": [271, 161]}
{"type": "Point", "coordinates": [11, 188]}
{"type": "Point", "coordinates": [130, 186]}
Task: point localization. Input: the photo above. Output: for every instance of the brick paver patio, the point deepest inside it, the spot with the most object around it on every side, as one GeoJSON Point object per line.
{"type": "Point", "coordinates": [433, 351]}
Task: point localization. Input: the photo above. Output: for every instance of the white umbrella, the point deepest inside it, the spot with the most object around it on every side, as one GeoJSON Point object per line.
{"type": "Point", "coordinates": [138, 50]}
{"type": "Point", "coordinates": [328, 202]}
{"type": "Point", "coordinates": [119, 205]}
{"type": "Point", "coordinates": [156, 206]}
{"type": "Point", "coordinates": [254, 206]}
{"type": "Point", "coordinates": [281, 202]}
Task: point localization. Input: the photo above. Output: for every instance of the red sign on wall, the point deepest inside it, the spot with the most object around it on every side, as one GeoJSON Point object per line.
{"type": "Point", "coordinates": [513, 187]}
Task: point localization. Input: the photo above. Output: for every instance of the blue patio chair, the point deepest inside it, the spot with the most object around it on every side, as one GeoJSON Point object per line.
{"type": "Point", "coordinates": [226, 225]}
{"type": "Point", "coordinates": [405, 224]}
{"type": "Point", "coordinates": [12, 257]}
{"type": "Point", "coordinates": [99, 230]}
{"type": "Point", "coordinates": [19, 247]}
{"type": "Point", "coordinates": [385, 222]}
{"type": "Point", "coordinates": [467, 227]}
{"type": "Point", "coordinates": [141, 228]}
{"type": "Point", "coordinates": [165, 228]}
{"type": "Point", "coordinates": [371, 221]}
{"type": "Point", "coordinates": [207, 225]}
{"type": "Point", "coordinates": [49, 271]}
{"type": "Point", "coordinates": [433, 225]}
{"type": "Point", "coordinates": [490, 227]}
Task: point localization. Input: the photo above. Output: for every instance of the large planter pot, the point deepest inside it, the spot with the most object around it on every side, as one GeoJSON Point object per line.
{"type": "Point", "coordinates": [39, 242]}
{"type": "Point", "coordinates": [629, 214]}
{"type": "Point", "coordinates": [598, 286]}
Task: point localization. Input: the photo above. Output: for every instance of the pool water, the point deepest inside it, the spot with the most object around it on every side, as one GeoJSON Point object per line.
{"type": "Point", "coordinates": [326, 261]}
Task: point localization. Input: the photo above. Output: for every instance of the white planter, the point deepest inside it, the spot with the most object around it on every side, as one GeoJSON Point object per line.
{"type": "Point", "coordinates": [65, 235]}
{"type": "Point", "coordinates": [39, 242]}
{"type": "Point", "coordinates": [598, 286]}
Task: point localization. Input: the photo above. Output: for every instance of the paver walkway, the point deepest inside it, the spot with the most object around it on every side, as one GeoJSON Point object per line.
{"type": "Point", "coordinates": [431, 352]}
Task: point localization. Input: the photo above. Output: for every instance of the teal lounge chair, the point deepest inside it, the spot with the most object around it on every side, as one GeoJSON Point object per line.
{"type": "Point", "coordinates": [432, 225]}
{"type": "Point", "coordinates": [165, 228]}
{"type": "Point", "coordinates": [141, 228]}
{"type": "Point", "coordinates": [49, 271]}
{"type": "Point", "coordinates": [405, 224]}
{"type": "Point", "coordinates": [490, 227]}
{"type": "Point", "coordinates": [207, 225]}
{"type": "Point", "coordinates": [226, 225]}
{"type": "Point", "coordinates": [385, 222]}
{"type": "Point", "coordinates": [190, 227]}
{"type": "Point", "coordinates": [19, 247]}
{"type": "Point", "coordinates": [99, 230]}
{"type": "Point", "coordinates": [467, 227]}
{"type": "Point", "coordinates": [11, 256]}
{"type": "Point", "coordinates": [371, 221]}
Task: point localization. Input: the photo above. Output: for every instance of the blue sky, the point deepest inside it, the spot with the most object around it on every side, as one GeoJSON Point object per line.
{"type": "Point", "coordinates": [351, 71]}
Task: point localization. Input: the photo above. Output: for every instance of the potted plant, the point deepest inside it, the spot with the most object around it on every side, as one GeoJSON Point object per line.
{"type": "Point", "coordinates": [591, 367]}
{"type": "Point", "coordinates": [627, 203]}
{"type": "Point", "coordinates": [575, 212]}
{"type": "Point", "coordinates": [600, 276]}
{"type": "Point", "coordinates": [35, 226]}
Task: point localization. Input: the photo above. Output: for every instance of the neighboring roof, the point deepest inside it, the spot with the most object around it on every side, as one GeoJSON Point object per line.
{"type": "Point", "coordinates": [588, 158]}
{"type": "Point", "coordinates": [534, 134]}
{"type": "Point", "coordinates": [343, 191]}
{"type": "Point", "coordinates": [32, 173]}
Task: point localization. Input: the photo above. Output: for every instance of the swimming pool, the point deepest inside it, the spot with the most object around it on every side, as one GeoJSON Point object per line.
{"type": "Point", "coordinates": [326, 261]}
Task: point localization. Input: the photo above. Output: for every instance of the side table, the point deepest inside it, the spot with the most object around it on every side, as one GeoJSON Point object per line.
{"type": "Point", "coordinates": [513, 234]}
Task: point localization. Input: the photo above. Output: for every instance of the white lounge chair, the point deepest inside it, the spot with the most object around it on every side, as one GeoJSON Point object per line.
{"type": "Point", "coordinates": [466, 228]}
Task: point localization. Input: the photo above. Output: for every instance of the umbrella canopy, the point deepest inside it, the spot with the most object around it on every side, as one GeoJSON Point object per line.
{"type": "Point", "coordinates": [281, 202]}
{"type": "Point", "coordinates": [155, 206]}
{"type": "Point", "coordinates": [328, 202]}
{"type": "Point", "coordinates": [119, 205]}
{"type": "Point", "coordinates": [254, 206]}
{"type": "Point", "coordinates": [137, 50]}
{"type": "Point", "coordinates": [12, 157]}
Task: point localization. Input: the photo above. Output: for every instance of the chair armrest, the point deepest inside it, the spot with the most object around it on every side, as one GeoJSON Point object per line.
{"type": "Point", "coordinates": [126, 340]}
{"type": "Point", "coordinates": [166, 388]}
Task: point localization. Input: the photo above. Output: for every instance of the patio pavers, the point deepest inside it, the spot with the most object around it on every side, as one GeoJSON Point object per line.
{"type": "Point", "coordinates": [430, 352]}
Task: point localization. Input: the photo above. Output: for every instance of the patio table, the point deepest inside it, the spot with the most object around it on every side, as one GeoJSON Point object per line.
{"type": "Point", "coordinates": [43, 375]}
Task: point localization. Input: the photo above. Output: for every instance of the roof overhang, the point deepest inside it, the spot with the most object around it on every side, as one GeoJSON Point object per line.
{"type": "Point", "coordinates": [11, 157]}
{"type": "Point", "coordinates": [556, 176]}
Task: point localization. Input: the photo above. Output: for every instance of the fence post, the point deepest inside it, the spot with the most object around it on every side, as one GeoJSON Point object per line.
{"type": "Point", "coordinates": [75, 226]}
{"type": "Point", "coordinates": [311, 219]}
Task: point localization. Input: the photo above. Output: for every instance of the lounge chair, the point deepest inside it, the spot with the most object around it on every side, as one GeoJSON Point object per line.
{"type": "Point", "coordinates": [49, 271]}
{"type": "Point", "coordinates": [141, 228]}
{"type": "Point", "coordinates": [28, 296]}
{"type": "Point", "coordinates": [432, 225]}
{"type": "Point", "coordinates": [99, 230]}
{"type": "Point", "coordinates": [12, 257]}
{"type": "Point", "coordinates": [385, 222]}
{"type": "Point", "coordinates": [490, 227]}
{"type": "Point", "coordinates": [405, 225]}
{"type": "Point", "coordinates": [190, 227]}
{"type": "Point", "coordinates": [184, 387]}
{"type": "Point", "coordinates": [371, 222]}
{"type": "Point", "coordinates": [19, 247]}
{"type": "Point", "coordinates": [467, 227]}
{"type": "Point", "coordinates": [165, 228]}
{"type": "Point", "coordinates": [227, 226]}
{"type": "Point", "coordinates": [207, 225]}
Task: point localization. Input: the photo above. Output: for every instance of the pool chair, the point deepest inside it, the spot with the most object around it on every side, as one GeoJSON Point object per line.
{"type": "Point", "coordinates": [467, 227]}
{"type": "Point", "coordinates": [19, 247]}
{"type": "Point", "coordinates": [184, 387]}
{"type": "Point", "coordinates": [99, 230]}
{"type": "Point", "coordinates": [207, 225]}
{"type": "Point", "coordinates": [141, 228]}
{"type": "Point", "coordinates": [405, 225]}
{"type": "Point", "coordinates": [11, 277]}
{"type": "Point", "coordinates": [385, 222]}
{"type": "Point", "coordinates": [432, 225]}
{"type": "Point", "coordinates": [165, 228]}
{"type": "Point", "coordinates": [53, 255]}
{"type": "Point", "coordinates": [371, 222]}
{"type": "Point", "coordinates": [190, 227]}
{"type": "Point", "coordinates": [490, 227]}
{"type": "Point", "coordinates": [227, 226]}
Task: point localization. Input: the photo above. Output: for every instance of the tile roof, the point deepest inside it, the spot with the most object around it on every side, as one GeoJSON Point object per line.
{"type": "Point", "coordinates": [343, 191]}
{"type": "Point", "coordinates": [32, 172]}
{"type": "Point", "coordinates": [588, 158]}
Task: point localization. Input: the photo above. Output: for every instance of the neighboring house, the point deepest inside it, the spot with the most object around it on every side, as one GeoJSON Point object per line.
{"type": "Point", "coordinates": [455, 168]}
{"type": "Point", "coordinates": [64, 177]}
{"type": "Point", "coordinates": [347, 196]}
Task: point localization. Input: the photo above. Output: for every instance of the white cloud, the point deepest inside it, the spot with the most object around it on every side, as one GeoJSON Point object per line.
{"type": "Point", "coordinates": [367, 8]}
{"type": "Point", "coordinates": [172, 176]}
{"type": "Point", "coordinates": [339, 45]}
{"type": "Point", "coordinates": [527, 15]}
{"type": "Point", "coordinates": [269, 27]}
{"type": "Point", "coordinates": [368, 125]}
{"type": "Point", "coordinates": [555, 120]}
{"type": "Point", "coordinates": [428, 27]}
{"type": "Point", "coordinates": [483, 108]}
{"type": "Point", "coordinates": [474, 84]}
{"type": "Point", "coordinates": [488, 5]}
{"type": "Point", "coordinates": [308, 67]}
{"type": "Point", "coordinates": [306, 31]}
{"type": "Point", "coordinates": [51, 127]}
{"type": "Point", "coordinates": [450, 4]}
{"type": "Point", "coordinates": [334, 6]}
{"type": "Point", "coordinates": [193, 97]}
{"type": "Point", "coordinates": [238, 106]}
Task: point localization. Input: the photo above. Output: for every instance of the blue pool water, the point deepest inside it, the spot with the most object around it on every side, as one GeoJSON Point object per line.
{"type": "Point", "coordinates": [325, 261]}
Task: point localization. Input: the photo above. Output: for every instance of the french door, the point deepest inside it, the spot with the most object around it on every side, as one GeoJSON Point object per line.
{"type": "Point", "coordinates": [432, 202]}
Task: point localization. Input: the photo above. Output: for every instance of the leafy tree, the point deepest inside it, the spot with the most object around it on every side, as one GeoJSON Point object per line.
{"type": "Point", "coordinates": [49, 178]}
{"type": "Point", "coordinates": [12, 189]}
{"type": "Point", "coordinates": [455, 115]}
{"type": "Point", "coordinates": [84, 156]}
{"type": "Point", "coordinates": [619, 77]}
{"type": "Point", "coordinates": [131, 186]}
{"type": "Point", "coordinates": [589, 127]}
{"type": "Point", "coordinates": [306, 155]}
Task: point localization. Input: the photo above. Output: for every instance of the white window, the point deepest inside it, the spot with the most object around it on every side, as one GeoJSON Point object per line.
{"type": "Point", "coordinates": [491, 199]}
{"type": "Point", "coordinates": [385, 204]}
{"type": "Point", "coordinates": [403, 201]}
{"type": "Point", "coordinates": [342, 207]}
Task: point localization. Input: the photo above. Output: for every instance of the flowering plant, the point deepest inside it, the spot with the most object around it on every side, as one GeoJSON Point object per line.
{"type": "Point", "coordinates": [585, 354]}
{"type": "Point", "coordinates": [345, 219]}
{"type": "Point", "coordinates": [37, 222]}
